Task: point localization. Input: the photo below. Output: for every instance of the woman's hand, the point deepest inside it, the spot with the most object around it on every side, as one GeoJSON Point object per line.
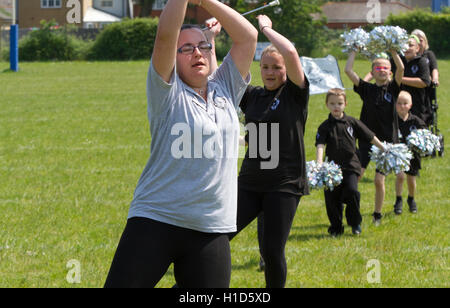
{"type": "Point", "coordinates": [214, 26]}
{"type": "Point", "coordinates": [264, 22]}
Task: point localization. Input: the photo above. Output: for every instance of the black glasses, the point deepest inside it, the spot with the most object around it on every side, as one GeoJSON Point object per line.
{"type": "Point", "coordinates": [189, 49]}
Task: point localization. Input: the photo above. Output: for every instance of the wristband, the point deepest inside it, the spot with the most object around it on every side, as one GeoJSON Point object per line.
{"type": "Point", "coordinates": [262, 29]}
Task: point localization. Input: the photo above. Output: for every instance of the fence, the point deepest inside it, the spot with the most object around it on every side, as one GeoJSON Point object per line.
{"type": "Point", "coordinates": [84, 34]}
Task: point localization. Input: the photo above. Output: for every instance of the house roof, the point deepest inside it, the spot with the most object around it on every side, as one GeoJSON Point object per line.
{"type": "Point", "coordinates": [357, 12]}
{"type": "Point", "coordinates": [94, 15]}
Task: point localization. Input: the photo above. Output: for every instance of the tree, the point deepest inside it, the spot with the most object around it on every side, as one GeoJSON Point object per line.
{"type": "Point", "coordinates": [233, 3]}
{"type": "Point", "coordinates": [239, 5]}
{"type": "Point", "coordinates": [294, 19]}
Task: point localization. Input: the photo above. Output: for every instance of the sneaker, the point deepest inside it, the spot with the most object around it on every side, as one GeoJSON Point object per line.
{"type": "Point", "coordinates": [356, 230]}
{"type": "Point", "coordinates": [377, 219]}
{"type": "Point", "coordinates": [398, 206]}
{"type": "Point", "coordinates": [412, 206]}
{"type": "Point", "coordinates": [335, 232]}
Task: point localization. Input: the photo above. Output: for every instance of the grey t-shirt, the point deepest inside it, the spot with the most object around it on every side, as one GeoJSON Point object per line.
{"type": "Point", "coordinates": [190, 180]}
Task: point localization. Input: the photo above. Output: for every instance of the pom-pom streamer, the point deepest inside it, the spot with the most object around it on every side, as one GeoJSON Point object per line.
{"type": "Point", "coordinates": [327, 175]}
{"type": "Point", "coordinates": [423, 142]}
{"type": "Point", "coordinates": [396, 158]}
{"type": "Point", "coordinates": [355, 40]}
{"type": "Point", "coordinates": [378, 41]}
{"type": "Point", "coordinates": [385, 38]}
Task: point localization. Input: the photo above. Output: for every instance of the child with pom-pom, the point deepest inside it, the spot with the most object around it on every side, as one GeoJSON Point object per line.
{"type": "Point", "coordinates": [407, 123]}
{"type": "Point", "coordinates": [338, 134]}
{"type": "Point", "coordinates": [378, 113]}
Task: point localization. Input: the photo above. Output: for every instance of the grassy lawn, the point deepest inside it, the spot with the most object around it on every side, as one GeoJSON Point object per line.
{"type": "Point", "coordinates": [74, 139]}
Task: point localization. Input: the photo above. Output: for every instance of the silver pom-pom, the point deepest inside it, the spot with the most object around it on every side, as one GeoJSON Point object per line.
{"type": "Point", "coordinates": [327, 175]}
{"type": "Point", "coordinates": [423, 142]}
{"type": "Point", "coordinates": [385, 38]}
{"type": "Point", "coordinates": [355, 40]}
{"type": "Point", "coordinates": [396, 158]}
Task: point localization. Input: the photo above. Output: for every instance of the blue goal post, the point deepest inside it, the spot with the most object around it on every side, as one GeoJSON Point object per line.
{"type": "Point", "coordinates": [14, 48]}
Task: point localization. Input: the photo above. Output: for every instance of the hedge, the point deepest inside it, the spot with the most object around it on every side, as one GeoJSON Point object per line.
{"type": "Point", "coordinates": [51, 43]}
{"type": "Point", "coordinates": [435, 26]}
{"type": "Point", "coordinates": [133, 39]}
{"type": "Point", "coordinates": [130, 39]}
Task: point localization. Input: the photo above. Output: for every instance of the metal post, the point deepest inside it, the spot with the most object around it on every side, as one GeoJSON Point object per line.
{"type": "Point", "coordinates": [14, 41]}
{"type": "Point", "coordinates": [13, 12]}
{"type": "Point", "coordinates": [14, 48]}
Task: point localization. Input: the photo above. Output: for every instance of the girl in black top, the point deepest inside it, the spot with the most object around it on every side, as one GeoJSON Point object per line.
{"type": "Point", "coordinates": [432, 63]}
{"type": "Point", "coordinates": [416, 79]}
{"type": "Point", "coordinates": [428, 54]}
{"type": "Point", "coordinates": [273, 174]}
{"type": "Point", "coordinates": [378, 113]}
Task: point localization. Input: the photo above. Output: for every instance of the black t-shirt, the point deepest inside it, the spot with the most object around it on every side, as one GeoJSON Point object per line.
{"type": "Point", "coordinates": [267, 113]}
{"type": "Point", "coordinates": [339, 136]}
{"type": "Point", "coordinates": [418, 68]}
{"type": "Point", "coordinates": [432, 65]}
{"type": "Point", "coordinates": [378, 111]}
{"type": "Point", "coordinates": [406, 127]}
{"type": "Point", "coordinates": [430, 58]}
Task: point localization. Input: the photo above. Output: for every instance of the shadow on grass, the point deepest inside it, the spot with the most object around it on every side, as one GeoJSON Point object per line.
{"type": "Point", "coordinates": [7, 70]}
{"type": "Point", "coordinates": [389, 215]}
{"type": "Point", "coordinates": [312, 227]}
{"type": "Point", "coordinates": [304, 237]}
{"type": "Point", "coordinates": [251, 264]}
{"type": "Point", "coordinates": [301, 234]}
{"type": "Point", "coordinates": [308, 237]}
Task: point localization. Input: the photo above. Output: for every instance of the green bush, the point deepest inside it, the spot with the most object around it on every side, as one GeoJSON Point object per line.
{"type": "Point", "coordinates": [126, 40]}
{"type": "Point", "coordinates": [48, 44]}
{"type": "Point", "coordinates": [223, 45]}
{"type": "Point", "coordinates": [330, 44]}
{"type": "Point", "coordinates": [435, 26]}
{"type": "Point", "coordinates": [4, 52]}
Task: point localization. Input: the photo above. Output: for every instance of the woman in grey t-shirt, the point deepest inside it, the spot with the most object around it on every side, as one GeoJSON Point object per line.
{"type": "Point", "coordinates": [185, 202]}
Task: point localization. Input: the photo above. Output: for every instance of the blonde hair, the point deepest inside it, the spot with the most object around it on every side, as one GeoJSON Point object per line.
{"type": "Point", "coordinates": [270, 49]}
{"type": "Point", "coordinates": [406, 95]}
{"type": "Point", "coordinates": [336, 92]}
{"type": "Point", "coordinates": [421, 35]}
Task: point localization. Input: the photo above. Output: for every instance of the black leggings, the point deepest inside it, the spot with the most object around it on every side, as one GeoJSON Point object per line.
{"type": "Point", "coordinates": [148, 247]}
{"type": "Point", "coordinates": [279, 211]}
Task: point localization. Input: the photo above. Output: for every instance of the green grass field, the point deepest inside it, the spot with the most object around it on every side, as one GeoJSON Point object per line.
{"type": "Point", "coordinates": [74, 139]}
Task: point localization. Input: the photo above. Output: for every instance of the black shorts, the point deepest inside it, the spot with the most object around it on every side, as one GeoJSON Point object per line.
{"type": "Point", "coordinates": [415, 166]}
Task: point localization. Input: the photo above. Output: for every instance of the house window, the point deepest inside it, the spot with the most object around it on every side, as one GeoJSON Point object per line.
{"type": "Point", "coordinates": [107, 3]}
{"type": "Point", "coordinates": [158, 5]}
{"type": "Point", "coordinates": [50, 4]}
